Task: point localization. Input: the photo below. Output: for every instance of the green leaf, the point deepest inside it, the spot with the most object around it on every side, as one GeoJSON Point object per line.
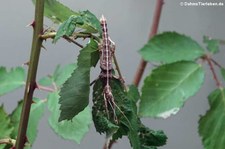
{"type": "Point", "coordinates": [72, 130]}
{"type": "Point", "coordinates": [133, 93]}
{"type": "Point", "coordinates": [56, 11]}
{"type": "Point", "coordinates": [85, 20]}
{"type": "Point", "coordinates": [170, 47]}
{"type": "Point", "coordinates": [91, 23]}
{"type": "Point", "coordinates": [212, 44]}
{"type": "Point", "coordinates": [67, 27]}
{"type": "Point", "coordinates": [94, 58]}
{"type": "Point", "coordinates": [222, 71]}
{"type": "Point", "coordinates": [74, 94]}
{"type": "Point", "coordinates": [126, 111]}
{"type": "Point", "coordinates": [11, 80]}
{"type": "Point", "coordinates": [5, 126]}
{"type": "Point", "coordinates": [211, 125]}
{"type": "Point", "coordinates": [37, 110]}
{"type": "Point", "coordinates": [150, 138]}
{"type": "Point", "coordinates": [167, 88]}
{"type": "Point", "coordinates": [61, 74]}
{"type": "Point", "coordinates": [46, 81]}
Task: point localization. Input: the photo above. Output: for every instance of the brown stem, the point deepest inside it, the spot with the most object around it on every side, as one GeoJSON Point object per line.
{"type": "Point", "coordinates": [154, 28]}
{"type": "Point", "coordinates": [32, 71]}
{"type": "Point", "coordinates": [216, 63]}
{"type": "Point", "coordinates": [209, 60]}
{"type": "Point", "coordinates": [73, 41]}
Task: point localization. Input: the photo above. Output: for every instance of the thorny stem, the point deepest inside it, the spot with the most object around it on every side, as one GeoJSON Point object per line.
{"type": "Point", "coordinates": [155, 24]}
{"type": "Point", "coordinates": [32, 71]}
{"type": "Point", "coordinates": [76, 35]}
{"type": "Point", "coordinates": [209, 60]}
{"type": "Point", "coordinates": [52, 35]}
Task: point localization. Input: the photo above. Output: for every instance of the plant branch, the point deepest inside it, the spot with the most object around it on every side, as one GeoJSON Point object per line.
{"type": "Point", "coordinates": [32, 71]}
{"type": "Point", "coordinates": [52, 35]}
{"type": "Point", "coordinates": [216, 63]}
{"type": "Point", "coordinates": [209, 60]}
{"type": "Point", "coordinates": [44, 88]}
{"type": "Point", "coordinates": [154, 28]}
{"type": "Point", "coordinates": [8, 141]}
{"type": "Point", "coordinates": [73, 41]}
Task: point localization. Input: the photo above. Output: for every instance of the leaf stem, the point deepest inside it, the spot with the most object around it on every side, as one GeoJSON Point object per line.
{"type": "Point", "coordinates": [52, 35]}
{"type": "Point", "coordinates": [32, 71]}
{"type": "Point", "coordinates": [209, 60]}
{"type": "Point", "coordinates": [216, 63]}
{"type": "Point", "coordinates": [8, 141]}
{"type": "Point", "coordinates": [44, 88]}
{"type": "Point", "coordinates": [154, 28]}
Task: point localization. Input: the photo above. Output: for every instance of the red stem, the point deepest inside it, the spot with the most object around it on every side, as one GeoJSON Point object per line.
{"type": "Point", "coordinates": [44, 88]}
{"type": "Point", "coordinates": [154, 28]}
{"type": "Point", "coordinates": [216, 63]}
{"type": "Point", "coordinates": [209, 60]}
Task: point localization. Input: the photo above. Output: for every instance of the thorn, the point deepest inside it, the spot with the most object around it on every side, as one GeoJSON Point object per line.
{"type": "Point", "coordinates": [26, 63]}
{"type": "Point", "coordinates": [37, 85]}
{"type": "Point", "coordinates": [26, 140]}
{"type": "Point", "coordinates": [33, 102]}
{"type": "Point", "coordinates": [43, 47]}
{"type": "Point", "coordinates": [31, 24]}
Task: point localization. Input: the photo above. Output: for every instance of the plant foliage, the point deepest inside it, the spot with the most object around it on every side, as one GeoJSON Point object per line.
{"type": "Point", "coordinates": [11, 80]}
{"type": "Point", "coordinates": [211, 125]}
{"type": "Point", "coordinates": [128, 122]}
{"type": "Point", "coordinates": [71, 130]}
{"type": "Point", "coordinates": [74, 94]}
{"type": "Point", "coordinates": [170, 47]}
{"type": "Point", "coordinates": [164, 92]}
{"type": "Point", "coordinates": [167, 88]}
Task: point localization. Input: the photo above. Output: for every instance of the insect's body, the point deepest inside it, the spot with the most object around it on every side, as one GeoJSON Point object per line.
{"type": "Point", "coordinates": [107, 48]}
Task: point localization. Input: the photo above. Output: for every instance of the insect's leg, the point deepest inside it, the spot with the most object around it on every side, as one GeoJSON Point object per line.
{"type": "Point", "coordinates": [106, 104]}
{"type": "Point", "coordinates": [109, 99]}
{"type": "Point", "coordinates": [112, 46]}
{"type": "Point", "coordinates": [100, 46]}
{"type": "Point", "coordinates": [112, 105]}
{"type": "Point", "coordinates": [94, 81]}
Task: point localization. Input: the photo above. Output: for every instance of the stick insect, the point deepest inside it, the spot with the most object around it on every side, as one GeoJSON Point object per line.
{"type": "Point", "coordinates": [107, 49]}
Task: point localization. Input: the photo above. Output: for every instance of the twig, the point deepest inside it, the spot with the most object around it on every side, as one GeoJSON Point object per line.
{"type": "Point", "coordinates": [8, 141]}
{"type": "Point", "coordinates": [155, 24]}
{"type": "Point", "coordinates": [44, 88]}
{"type": "Point", "coordinates": [73, 41]}
{"type": "Point", "coordinates": [109, 145]}
{"type": "Point", "coordinates": [48, 35]}
{"type": "Point", "coordinates": [52, 35]}
{"type": "Point", "coordinates": [216, 63]}
{"type": "Point", "coordinates": [32, 71]}
{"type": "Point", "coordinates": [209, 60]}
{"type": "Point", "coordinates": [85, 35]}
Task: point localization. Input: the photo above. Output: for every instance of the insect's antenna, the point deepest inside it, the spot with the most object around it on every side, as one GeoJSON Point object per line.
{"type": "Point", "coordinates": [122, 113]}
